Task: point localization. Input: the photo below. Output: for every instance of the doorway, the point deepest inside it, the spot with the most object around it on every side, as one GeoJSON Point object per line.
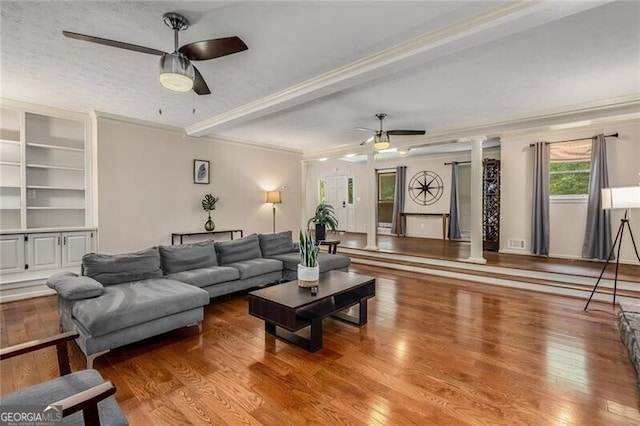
{"type": "Point", "coordinates": [337, 191]}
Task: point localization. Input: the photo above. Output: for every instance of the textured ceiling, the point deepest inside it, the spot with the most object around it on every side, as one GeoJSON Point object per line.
{"type": "Point", "coordinates": [583, 54]}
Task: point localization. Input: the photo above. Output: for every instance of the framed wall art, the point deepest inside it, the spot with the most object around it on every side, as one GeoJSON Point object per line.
{"type": "Point", "coordinates": [426, 188]}
{"type": "Point", "coordinates": [201, 172]}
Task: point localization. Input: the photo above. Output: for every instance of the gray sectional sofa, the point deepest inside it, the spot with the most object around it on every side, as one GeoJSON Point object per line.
{"type": "Point", "coordinates": [121, 299]}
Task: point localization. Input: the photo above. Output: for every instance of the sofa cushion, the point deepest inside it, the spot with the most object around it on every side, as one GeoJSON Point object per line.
{"type": "Point", "coordinates": [326, 261]}
{"type": "Point", "coordinates": [238, 250]}
{"type": "Point", "coordinates": [63, 387]}
{"type": "Point", "coordinates": [185, 257]}
{"type": "Point", "coordinates": [72, 287]}
{"type": "Point", "coordinates": [128, 304]}
{"type": "Point", "coordinates": [204, 277]}
{"type": "Point", "coordinates": [254, 267]}
{"type": "Point", "coordinates": [120, 268]}
{"type": "Point", "coordinates": [279, 243]}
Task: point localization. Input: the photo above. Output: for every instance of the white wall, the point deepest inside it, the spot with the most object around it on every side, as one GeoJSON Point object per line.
{"type": "Point", "coordinates": [146, 190]}
{"type": "Point", "coordinates": [567, 219]}
{"type": "Point", "coordinates": [427, 227]}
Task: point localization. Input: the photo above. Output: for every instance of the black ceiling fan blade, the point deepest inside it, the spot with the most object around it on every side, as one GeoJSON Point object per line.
{"type": "Point", "coordinates": [199, 85]}
{"type": "Point", "coordinates": [210, 49]}
{"type": "Point", "coordinates": [405, 132]}
{"type": "Point", "coordinates": [113, 43]}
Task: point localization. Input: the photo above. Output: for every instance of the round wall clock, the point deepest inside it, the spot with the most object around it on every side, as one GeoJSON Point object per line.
{"type": "Point", "coordinates": [426, 188]}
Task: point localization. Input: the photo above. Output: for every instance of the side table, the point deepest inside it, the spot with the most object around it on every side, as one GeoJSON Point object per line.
{"type": "Point", "coordinates": [331, 244]}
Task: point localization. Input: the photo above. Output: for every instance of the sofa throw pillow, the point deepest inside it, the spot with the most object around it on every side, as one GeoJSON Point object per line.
{"type": "Point", "coordinates": [186, 257]}
{"type": "Point", "coordinates": [72, 287]}
{"type": "Point", "coordinates": [121, 268]}
{"type": "Point", "coordinates": [238, 250]}
{"type": "Point", "coordinates": [273, 244]}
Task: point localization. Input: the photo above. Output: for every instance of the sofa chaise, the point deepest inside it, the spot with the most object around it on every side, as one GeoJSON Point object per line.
{"type": "Point", "coordinates": [121, 299]}
{"type": "Point", "coordinates": [124, 298]}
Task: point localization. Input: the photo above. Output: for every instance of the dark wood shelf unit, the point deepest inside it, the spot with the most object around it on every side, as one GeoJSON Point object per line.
{"type": "Point", "coordinates": [491, 204]}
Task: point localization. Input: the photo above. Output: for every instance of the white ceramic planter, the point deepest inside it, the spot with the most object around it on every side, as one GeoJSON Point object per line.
{"type": "Point", "coordinates": [308, 277]}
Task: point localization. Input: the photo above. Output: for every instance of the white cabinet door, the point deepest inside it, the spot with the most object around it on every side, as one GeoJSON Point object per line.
{"type": "Point", "coordinates": [74, 246]}
{"type": "Point", "coordinates": [12, 253]}
{"type": "Point", "coordinates": [44, 250]}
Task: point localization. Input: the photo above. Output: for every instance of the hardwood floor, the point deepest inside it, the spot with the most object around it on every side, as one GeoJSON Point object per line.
{"type": "Point", "coordinates": [435, 351]}
{"type": "Point", "coordinates": [455, 250]}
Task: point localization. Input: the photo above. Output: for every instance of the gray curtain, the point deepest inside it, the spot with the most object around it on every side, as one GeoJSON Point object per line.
{"type": "Point", "coordinates": [398, 200]}
{"type": "Point", "coordinates": [540, 200]}
{"type": "Point", "coordinates": [454, 208]}
{"type": "Point", "coordinates": [597, 236]}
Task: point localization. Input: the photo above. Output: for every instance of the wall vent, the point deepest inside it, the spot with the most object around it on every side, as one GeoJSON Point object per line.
{"type": "Point", "coordinates": [516, 244]}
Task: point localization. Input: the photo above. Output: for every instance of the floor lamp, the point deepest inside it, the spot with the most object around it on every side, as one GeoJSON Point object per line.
{"type": "Point", "coordinates": [623, 198]}
{"type": "Point", "coordinates": [274, 197]}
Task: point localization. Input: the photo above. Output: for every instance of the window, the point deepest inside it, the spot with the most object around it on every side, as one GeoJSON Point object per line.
{"type": "Point", "coordinates": [386, 196]}
{"type": "Point", "coordinates": [350, 190]}
{"type": "Point", "coordinates": [386, 186]}
{"type": "Point", "coordinates": [569, 169]}
{"type": "Point", "coordinates": [322, 195]}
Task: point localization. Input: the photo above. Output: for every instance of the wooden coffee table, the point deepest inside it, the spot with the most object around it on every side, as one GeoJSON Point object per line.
{"type": "Point", "coordinates": [287, 308]}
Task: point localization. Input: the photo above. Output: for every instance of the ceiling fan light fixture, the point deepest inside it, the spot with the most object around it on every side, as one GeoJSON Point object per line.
{"type": "Point", "coordinates": [381, 141]}
{"type": "Point", "coordinates": [176, 72]}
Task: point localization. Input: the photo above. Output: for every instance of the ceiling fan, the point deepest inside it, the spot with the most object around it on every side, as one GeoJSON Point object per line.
{"type": "Point", "coordinates": [176, 71]}
{"type": "Point", "coordinates": [381, 137]}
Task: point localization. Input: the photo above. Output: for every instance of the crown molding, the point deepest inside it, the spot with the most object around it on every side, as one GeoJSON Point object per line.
{"type": "Point", "coordinates": [624, 108]}
{"type": "Point", "coordinates": [101, 115]}
{"type": "Point", "coordinates": [248, 143]}
{"type": "Point", "coordinates": [42, 109]}
{"type": "Point", "coordinates": [135, 121]}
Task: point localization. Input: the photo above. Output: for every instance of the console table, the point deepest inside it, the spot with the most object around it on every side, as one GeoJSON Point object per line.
{"type": "Point", "coordinates": [181, 235]}
{"type": "Point", "coordinates": [402, 222]}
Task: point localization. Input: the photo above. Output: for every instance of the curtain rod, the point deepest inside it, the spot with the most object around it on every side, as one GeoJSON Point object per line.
{"type": "Point", "coordinates": [459, 162]}
{"type": "Point", "coordinates": [613, 135]}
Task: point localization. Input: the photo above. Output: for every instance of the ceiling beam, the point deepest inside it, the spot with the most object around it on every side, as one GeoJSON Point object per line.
{"type": "Point", "coordinates": [504, 20]}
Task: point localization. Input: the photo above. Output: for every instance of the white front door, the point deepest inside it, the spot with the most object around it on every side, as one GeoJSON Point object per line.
{"type": "Point", "coordinates": [336, 193]}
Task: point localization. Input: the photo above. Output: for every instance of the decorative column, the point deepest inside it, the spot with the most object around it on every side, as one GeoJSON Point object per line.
{"type": "Point", "coordinates": [475, 255]}
{"type": "Point", "coordinates": [372, 208]}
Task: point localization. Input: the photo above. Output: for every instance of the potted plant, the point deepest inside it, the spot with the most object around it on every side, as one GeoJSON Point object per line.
{"type": "Point", "coordinates": [308, 269]}
{"type": "Point", "coordinates": [325, 216]}
{"type": "Point", "coordinates": [208, 204]}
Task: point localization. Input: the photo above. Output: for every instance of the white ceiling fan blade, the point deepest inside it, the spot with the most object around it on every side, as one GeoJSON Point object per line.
{"type": "Point", "coordinates": [368, 140]}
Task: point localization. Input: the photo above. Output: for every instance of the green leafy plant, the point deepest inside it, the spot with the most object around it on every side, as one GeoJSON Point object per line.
{"type": "Point", "coordinates": [324, 215]}
{"type": "Point", "coordinates": [209, 202]}
{"type": "Point", "coordinates": [308, 250]}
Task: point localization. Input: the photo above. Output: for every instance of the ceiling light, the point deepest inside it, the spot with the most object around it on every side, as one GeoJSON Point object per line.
{"type": "Point", "coordinates": [323, 159]}
{"type": "Point", "coordinates": [403, 151]}
{"type": "Point", "coordinates": [176, 72]}
{"type": "Point", "coordinates": [381, 141]}
{"type": "Point", "coordinates": [350, 155]}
